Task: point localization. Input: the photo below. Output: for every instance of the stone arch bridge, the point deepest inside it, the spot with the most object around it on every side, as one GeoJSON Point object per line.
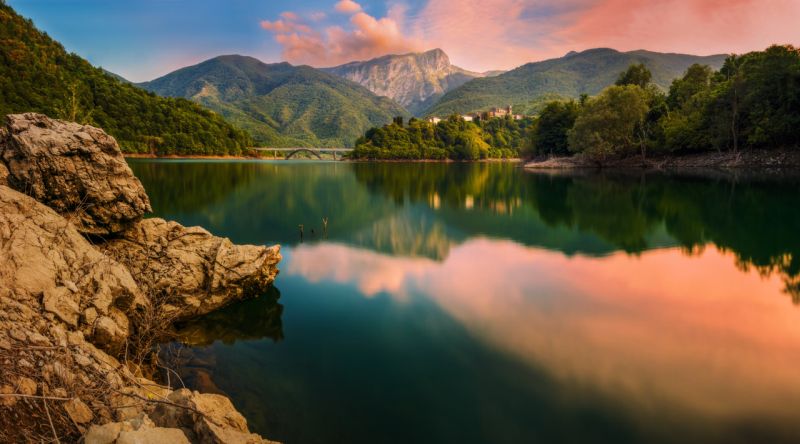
{"type": "Point", "coordinates": [316, 152]}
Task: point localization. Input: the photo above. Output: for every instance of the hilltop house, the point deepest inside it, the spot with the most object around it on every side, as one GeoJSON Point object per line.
{"type": "Point", "coordinates": [500, 112]}
{"type": "Point", "coordinates": [486, 115]}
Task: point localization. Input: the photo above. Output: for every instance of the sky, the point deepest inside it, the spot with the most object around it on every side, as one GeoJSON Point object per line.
{"type": "Point", "coordinates": [144, 39]}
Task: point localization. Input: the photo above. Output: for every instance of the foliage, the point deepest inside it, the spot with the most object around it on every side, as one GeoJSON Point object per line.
{"type": "Point", "coordinates": [588, 72]}
{"type": "Point", "coordinates": [549, 134]}
{"type": "Point", "coordinates": [453, 138]}
{"type": "Point", "coordinates": [636, 74]}
{"type": "Point", "coordinates": [606, 125]}
{"type": "Point", "coordinates": [752, 102]}
{"type": "Point", "coordinates": [280, 104]}
{"type": "Point", "coordinates": [38, 75]}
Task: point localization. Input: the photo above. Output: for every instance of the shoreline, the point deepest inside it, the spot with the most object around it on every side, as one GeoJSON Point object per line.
{"type": "Point", "coordinates": [778, 159]}
{"type": "Point", "coordinates": [215, 157]}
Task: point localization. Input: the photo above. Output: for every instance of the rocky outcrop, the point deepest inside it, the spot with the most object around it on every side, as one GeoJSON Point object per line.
{"type": "Point", "coordinates": [72, 311]}
{"type": "Point", "coordinates": [78, 170]}
{"type": "Point", "coordinates": [193, 270]}
{"type": "Point", "coordinates": [413, 80]}
{"type": "Point", "coordinates": [46, 260]}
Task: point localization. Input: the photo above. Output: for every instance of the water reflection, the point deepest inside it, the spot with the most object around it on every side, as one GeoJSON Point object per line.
{"type": "Point", "coordinates": [484, 304]}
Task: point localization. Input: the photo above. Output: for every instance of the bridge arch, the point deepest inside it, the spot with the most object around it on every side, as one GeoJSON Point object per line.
{"type": "Point", "coordinates": [300, 150]}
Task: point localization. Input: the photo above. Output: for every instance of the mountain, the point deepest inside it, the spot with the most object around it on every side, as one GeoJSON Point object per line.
{"type": "Point", "coordinates": [586, 72]}
{"type": "Point", "coordinates": [37, 74]}
{"type": "Point", "coordinates": [280, 104]}
{"type": "Point", "coordinates": [413, 80]}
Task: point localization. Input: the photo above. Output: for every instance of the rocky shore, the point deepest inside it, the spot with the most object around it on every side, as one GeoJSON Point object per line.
{"type": "Point", "coordinates": [749, 159]}
{"type": "Point", "coordinates": [86, 288]}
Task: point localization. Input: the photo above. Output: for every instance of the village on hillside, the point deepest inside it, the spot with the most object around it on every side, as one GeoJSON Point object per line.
{"type": "Point", "coordinates": [486, 115]}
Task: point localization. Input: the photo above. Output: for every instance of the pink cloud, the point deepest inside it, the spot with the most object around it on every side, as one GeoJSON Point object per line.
{"type": "Point", "coordinates": [624, 326]}
{"type": "Point", "coordinates": [285, 27]}
{"type": "Point", "coordinates": [502, 34]}
{"type": "Point", "coordinates": [348, 6]}
{"type": "Point", "coordinates": [365, 37]}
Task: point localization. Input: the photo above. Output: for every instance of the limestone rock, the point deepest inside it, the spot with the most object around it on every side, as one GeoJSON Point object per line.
{"type": "Point", "coordinates": [78, 411]}
{"type": "Point", "coordinates": [196, 271]}
{"type": "Point", "coordinates": [60, 301]}
{"type": "Point", "coordinates": [217, 421]}
{"type": "Point", "coordinates": [157, 435]}
{"type": "Point", "coordinates": [139, 430]}
{"type": "Point", "coordinates": [413, 80]}
{"type": "Point", "coordinates": [41, 250]}
{"type": "Point", "coordinates": [78, 170]}
{"type": "Point", "coordinates": [67, 306]}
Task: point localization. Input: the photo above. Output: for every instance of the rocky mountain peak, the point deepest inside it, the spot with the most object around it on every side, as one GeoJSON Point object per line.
{"type": "Point", "coordinates": [415, 80]}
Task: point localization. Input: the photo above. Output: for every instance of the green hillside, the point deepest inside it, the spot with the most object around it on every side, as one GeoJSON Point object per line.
{"type": "Point", "coordinates": [37, 74]}
{"type": "Point", "coordinates": [280, 104]}
{"type": "Point", "coordinates": [586, 72]}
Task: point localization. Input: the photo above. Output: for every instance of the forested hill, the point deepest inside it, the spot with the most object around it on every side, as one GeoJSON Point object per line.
{"type": "Point", "coordinates": [37, 74]}
{"type": "Point", "coordinates": [281, 104]}
{"type": "Point", "coordinates": [587, 72]}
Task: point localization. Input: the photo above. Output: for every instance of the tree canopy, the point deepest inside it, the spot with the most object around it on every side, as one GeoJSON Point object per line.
{"type": "Point", "coordinates": [752, 102]}
{"type": "Point", "coordinates": [38, 75]}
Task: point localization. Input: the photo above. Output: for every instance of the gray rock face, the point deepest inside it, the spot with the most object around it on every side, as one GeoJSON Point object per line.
{"type": "Point", "coordinates": [77, 170]}
{"type": "Point", "coordinates": [413, 80]}
{"type": "Point", "coordinates": [196, 271]}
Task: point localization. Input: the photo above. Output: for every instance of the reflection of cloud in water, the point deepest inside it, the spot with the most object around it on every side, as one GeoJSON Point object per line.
{"type": "Point", "coordinates": [694, 332]}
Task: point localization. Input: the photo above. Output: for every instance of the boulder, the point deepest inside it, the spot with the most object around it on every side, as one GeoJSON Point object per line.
{"type": "Point", "coordinates": [210, 418]}
{"type": "Point", "coordinates": [43, 255]}
{"type": "Point", "coordinates": [193, 270]}
{"type": "Point", "coordinates": [78, 170]}
{"type": "Point", "coordinates": [139, 430]}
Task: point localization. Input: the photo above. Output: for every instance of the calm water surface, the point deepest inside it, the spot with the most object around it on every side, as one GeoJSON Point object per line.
{"type": "Point", "coordinates": [482, 304]}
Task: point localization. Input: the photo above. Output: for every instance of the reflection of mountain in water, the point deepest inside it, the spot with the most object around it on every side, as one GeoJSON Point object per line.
{"type": "Point", "coordinates": [411, 232]}
{"type": "Point", "coordinates": [425, 209]}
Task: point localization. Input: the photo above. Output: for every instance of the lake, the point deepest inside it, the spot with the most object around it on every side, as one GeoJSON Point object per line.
{"type": "Point", "coordinates": [479, 303]}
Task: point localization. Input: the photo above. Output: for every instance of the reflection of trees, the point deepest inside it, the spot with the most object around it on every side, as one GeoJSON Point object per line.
{"type": "Point", "coordinates": [252, 319]}
{"type": "Point", "coordinates": [756, 220]}
{"type": "Point", "coordinates": [422, 209]}
{"type": "Point", "coordinates": [258, 202]}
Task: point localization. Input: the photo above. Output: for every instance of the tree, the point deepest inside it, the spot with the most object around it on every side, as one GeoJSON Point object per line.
{"type": "Point", "coordinates": [636, 74]}
{"type": "Point", "coordinates": [695, 80]}
{"type": "Point", "coordinates": [607, 125]}
{"type": "Point", "coordinates": [549, 134]}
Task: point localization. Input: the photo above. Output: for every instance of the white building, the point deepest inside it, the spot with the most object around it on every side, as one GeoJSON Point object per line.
{"type": "Point", "coordinates": [433, 119]}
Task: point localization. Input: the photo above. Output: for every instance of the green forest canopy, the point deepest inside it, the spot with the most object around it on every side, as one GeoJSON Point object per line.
{"type": "Point", "coordinates": [752, 102]}
{"type": "Point", "coordinates": [38, 75]}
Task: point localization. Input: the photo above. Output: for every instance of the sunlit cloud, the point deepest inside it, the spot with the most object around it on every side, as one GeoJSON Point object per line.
{"type": "Point", "coordinates": [503, 34]}
{"type": "Point", "coordinates": [627, 325]}
{"type": "Point", "coordinates": [491, 34]}
{"type": "Point", "coordinates": [363, 38]}
{"type": "Point", "coordinates": [285, 27]}
{"type": "Point", "coordinates": [348, 7]}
